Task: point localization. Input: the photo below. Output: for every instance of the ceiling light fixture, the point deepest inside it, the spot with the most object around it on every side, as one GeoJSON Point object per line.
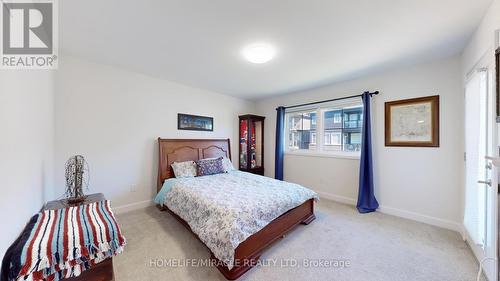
{"type": "Point", "coordinates": [259, 53]}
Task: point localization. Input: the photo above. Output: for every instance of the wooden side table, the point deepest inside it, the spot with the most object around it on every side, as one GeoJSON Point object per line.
{"type": "Point", "coordinates": [102, 271]}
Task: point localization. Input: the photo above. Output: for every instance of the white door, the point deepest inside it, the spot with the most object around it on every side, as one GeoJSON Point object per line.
{"type": "Point", "coordinates": [480, 187]}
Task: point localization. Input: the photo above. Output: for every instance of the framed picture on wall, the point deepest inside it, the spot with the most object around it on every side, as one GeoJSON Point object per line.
{"type": "Point", "coordinates": [412, 122]}
{"type": "Point", "coordinates": [194, 122]}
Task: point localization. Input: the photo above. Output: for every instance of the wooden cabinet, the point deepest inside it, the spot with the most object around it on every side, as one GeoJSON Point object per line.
{"type": "Point", "coordinates": [251, 146]}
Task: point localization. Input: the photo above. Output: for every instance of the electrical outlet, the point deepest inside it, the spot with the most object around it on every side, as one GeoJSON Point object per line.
{"type": "Point", "coordinates": [133, 188]}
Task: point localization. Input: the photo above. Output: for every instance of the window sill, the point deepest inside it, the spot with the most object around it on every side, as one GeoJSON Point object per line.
{"type": "Point", "coordinates": [341, 155]}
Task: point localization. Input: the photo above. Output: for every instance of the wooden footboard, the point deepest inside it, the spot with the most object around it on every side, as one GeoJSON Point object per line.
{"type": "Point", "coordinates": [249, 251]}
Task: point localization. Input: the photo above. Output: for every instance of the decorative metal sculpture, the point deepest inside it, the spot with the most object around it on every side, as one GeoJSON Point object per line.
{"type": "Point", "coordinates": [77, 178]}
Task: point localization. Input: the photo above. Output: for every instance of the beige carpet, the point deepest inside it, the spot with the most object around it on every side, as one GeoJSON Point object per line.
{"type": "Point", "coordinates": [377, 247]}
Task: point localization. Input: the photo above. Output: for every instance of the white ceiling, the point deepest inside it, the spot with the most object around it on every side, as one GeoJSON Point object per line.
{"type": "Point", "coordinates": [198, 42]}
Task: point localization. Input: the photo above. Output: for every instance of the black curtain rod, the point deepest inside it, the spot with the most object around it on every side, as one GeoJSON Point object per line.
{"type": "Point", "coordinates": [323, 101]}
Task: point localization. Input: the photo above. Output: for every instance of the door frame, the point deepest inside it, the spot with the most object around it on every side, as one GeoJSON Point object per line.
{"type": "Point", "coordinates": [490, 267]}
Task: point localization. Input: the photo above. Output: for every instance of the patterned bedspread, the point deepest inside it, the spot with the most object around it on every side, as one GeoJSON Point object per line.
{"type": "Point", "coordinates": [225, 209]}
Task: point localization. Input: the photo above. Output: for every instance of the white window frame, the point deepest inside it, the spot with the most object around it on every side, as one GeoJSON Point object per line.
{"type": "Point", "coordinates": [319, 145]}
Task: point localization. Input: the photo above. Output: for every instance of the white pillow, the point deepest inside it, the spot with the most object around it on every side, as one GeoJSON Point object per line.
{"type": "Point", "coordinates": [185, 169]}
{"type": "Point", "coordinates": [228, 166]}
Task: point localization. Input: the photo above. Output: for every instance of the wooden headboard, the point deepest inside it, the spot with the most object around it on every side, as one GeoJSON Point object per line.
{"type": "Point", "coordinates": [178, 150]}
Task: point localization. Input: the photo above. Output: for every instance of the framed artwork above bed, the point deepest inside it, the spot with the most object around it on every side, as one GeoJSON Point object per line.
{"type": "Point", "coordinates": [194, 122]}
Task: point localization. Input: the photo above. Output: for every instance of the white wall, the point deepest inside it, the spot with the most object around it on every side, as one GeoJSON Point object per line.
{"type": "Point", "coordinates": [113, 117]}
{"type": "Point", "coordinates": [419, 183]}
{"type": "Point", "coordinates": [482, 43]}
{"type": "Point", "coordinates": [26, 148]}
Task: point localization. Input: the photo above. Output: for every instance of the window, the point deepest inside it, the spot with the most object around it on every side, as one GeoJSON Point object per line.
{"type": "Point", "coordinates": [333, 140]}
{"type": "Point", "coordinates": [337, 117]}
{"type": "Point", "coordinates": [337, 128]}
{"type": "Point", "coordinates": [313, 138]}
{"type": "Point", "coordinates": [301, 127]}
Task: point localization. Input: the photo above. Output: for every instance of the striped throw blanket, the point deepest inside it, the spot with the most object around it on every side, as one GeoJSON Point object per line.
{"type": "Point", "coordinates": [62, 243]}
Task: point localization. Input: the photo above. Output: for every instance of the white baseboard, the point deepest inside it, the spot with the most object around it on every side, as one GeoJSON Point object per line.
{"type": "Point", "coordinates": [337, 198]}
{"type": "Point", "coordinates": [132, 206]}
{"type": "Point", "coordinates": [448, 224]}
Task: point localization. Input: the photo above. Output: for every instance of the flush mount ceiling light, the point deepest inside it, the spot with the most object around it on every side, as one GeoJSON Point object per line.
{"type": "Point", "coordinates": [259, 53]}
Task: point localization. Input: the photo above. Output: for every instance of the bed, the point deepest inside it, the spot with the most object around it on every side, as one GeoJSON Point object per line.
{"type": "Point", "coordinates": [248, 241]}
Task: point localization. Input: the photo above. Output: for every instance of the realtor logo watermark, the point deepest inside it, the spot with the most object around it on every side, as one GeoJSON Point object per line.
{"type": "Point", "coordinates": [29, 34]}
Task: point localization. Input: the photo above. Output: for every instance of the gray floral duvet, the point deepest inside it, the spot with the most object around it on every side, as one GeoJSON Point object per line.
{"type": "Point", "coordinates": [225, 209]}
